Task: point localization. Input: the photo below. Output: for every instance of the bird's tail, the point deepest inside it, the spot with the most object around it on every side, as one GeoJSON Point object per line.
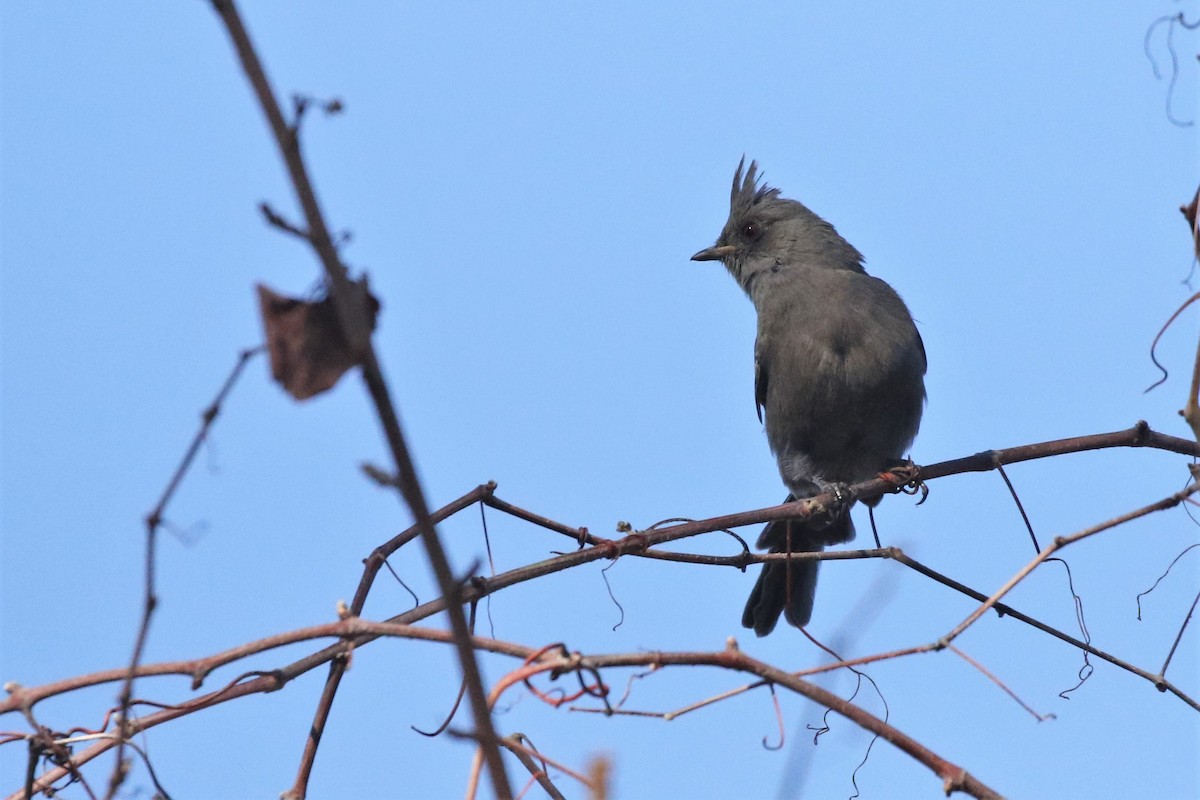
{"type": "Point", "coordinates": [788, 587]}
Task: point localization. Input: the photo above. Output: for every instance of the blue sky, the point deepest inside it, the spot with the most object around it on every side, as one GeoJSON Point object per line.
{"type": "Point", "coordinates": [524, 184]}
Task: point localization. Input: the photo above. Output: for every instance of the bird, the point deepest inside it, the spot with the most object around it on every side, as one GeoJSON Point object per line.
{"type": "Point", "coordinates": [839, 375]}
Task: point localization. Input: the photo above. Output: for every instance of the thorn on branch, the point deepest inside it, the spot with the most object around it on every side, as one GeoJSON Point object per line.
{"type": "Point", "coordinates": [302, 102]}
{"type": "Point", "coordinates": [380, 476]}
{"type": "Point", "coordinates": [276, 220]}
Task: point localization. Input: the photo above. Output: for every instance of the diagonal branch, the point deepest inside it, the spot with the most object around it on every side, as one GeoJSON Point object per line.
{"type": "Point", "coordinates": [1140, 435]}
{"type": "Point", "coordinates": [353, 317]}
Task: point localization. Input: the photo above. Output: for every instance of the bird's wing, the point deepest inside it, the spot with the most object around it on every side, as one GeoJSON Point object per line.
{"type": "Point", "coordinates": [921, 344]}
{"type": "Point", "coordinates": [760, 378]}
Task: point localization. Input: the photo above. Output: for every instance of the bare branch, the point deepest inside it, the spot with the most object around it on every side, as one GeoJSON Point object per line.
{"type": "Point", "coordinates": [555, 661]}
{"type": "Point", "coordinates": [350, 299]}
{"type": "Point", "coordinates": [353, 632]}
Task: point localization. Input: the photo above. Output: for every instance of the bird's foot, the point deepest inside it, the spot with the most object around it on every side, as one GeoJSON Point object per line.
{"type": "Point", "coordinates": [843, 498]}
{"type": "Point", "coordinates": [905, 476]}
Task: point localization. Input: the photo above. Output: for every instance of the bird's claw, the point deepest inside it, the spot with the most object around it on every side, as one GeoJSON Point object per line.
{"type": "Point", "coordinates": [842, 498]}
{"type": "Point", "coordinates": [906, 477]}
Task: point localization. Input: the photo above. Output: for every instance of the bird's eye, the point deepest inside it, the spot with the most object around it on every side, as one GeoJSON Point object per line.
{"type": "Point", "coordinates": [751, 230]}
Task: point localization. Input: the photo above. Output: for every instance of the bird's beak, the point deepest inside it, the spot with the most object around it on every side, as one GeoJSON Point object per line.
{"type": "Point", "coordinates": [714, 253]}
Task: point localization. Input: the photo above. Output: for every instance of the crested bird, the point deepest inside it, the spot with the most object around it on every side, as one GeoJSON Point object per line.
{"type": "Point", "coordinates": [838, 375]}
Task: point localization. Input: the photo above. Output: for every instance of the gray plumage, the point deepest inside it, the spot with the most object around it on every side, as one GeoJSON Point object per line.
{"type": "Point", "coordinates": [838, 373]}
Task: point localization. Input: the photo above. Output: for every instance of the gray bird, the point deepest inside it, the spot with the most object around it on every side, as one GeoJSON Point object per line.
{"type": "Point", "coordinates": [838, 372]}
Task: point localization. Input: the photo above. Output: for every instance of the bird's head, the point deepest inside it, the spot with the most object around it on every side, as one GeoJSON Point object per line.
{"type": "Point", "coordinates": [768, 234]}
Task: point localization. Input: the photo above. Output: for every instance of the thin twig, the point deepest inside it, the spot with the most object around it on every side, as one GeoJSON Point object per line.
{"type": "Point", "coordinates": [514, 744]}
{"type": "Point", "coordinates": [1179, 636]}
{"type": "Point", "coordinates": [1061, 542]}
{"type": "Point", "coordinates": [988, 674]}
{"type": "Point", "coordinates": [153, 521]}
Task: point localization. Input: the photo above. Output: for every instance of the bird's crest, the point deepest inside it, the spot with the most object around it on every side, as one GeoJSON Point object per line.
{"type": "Point", "coordinates": [746, 192]}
